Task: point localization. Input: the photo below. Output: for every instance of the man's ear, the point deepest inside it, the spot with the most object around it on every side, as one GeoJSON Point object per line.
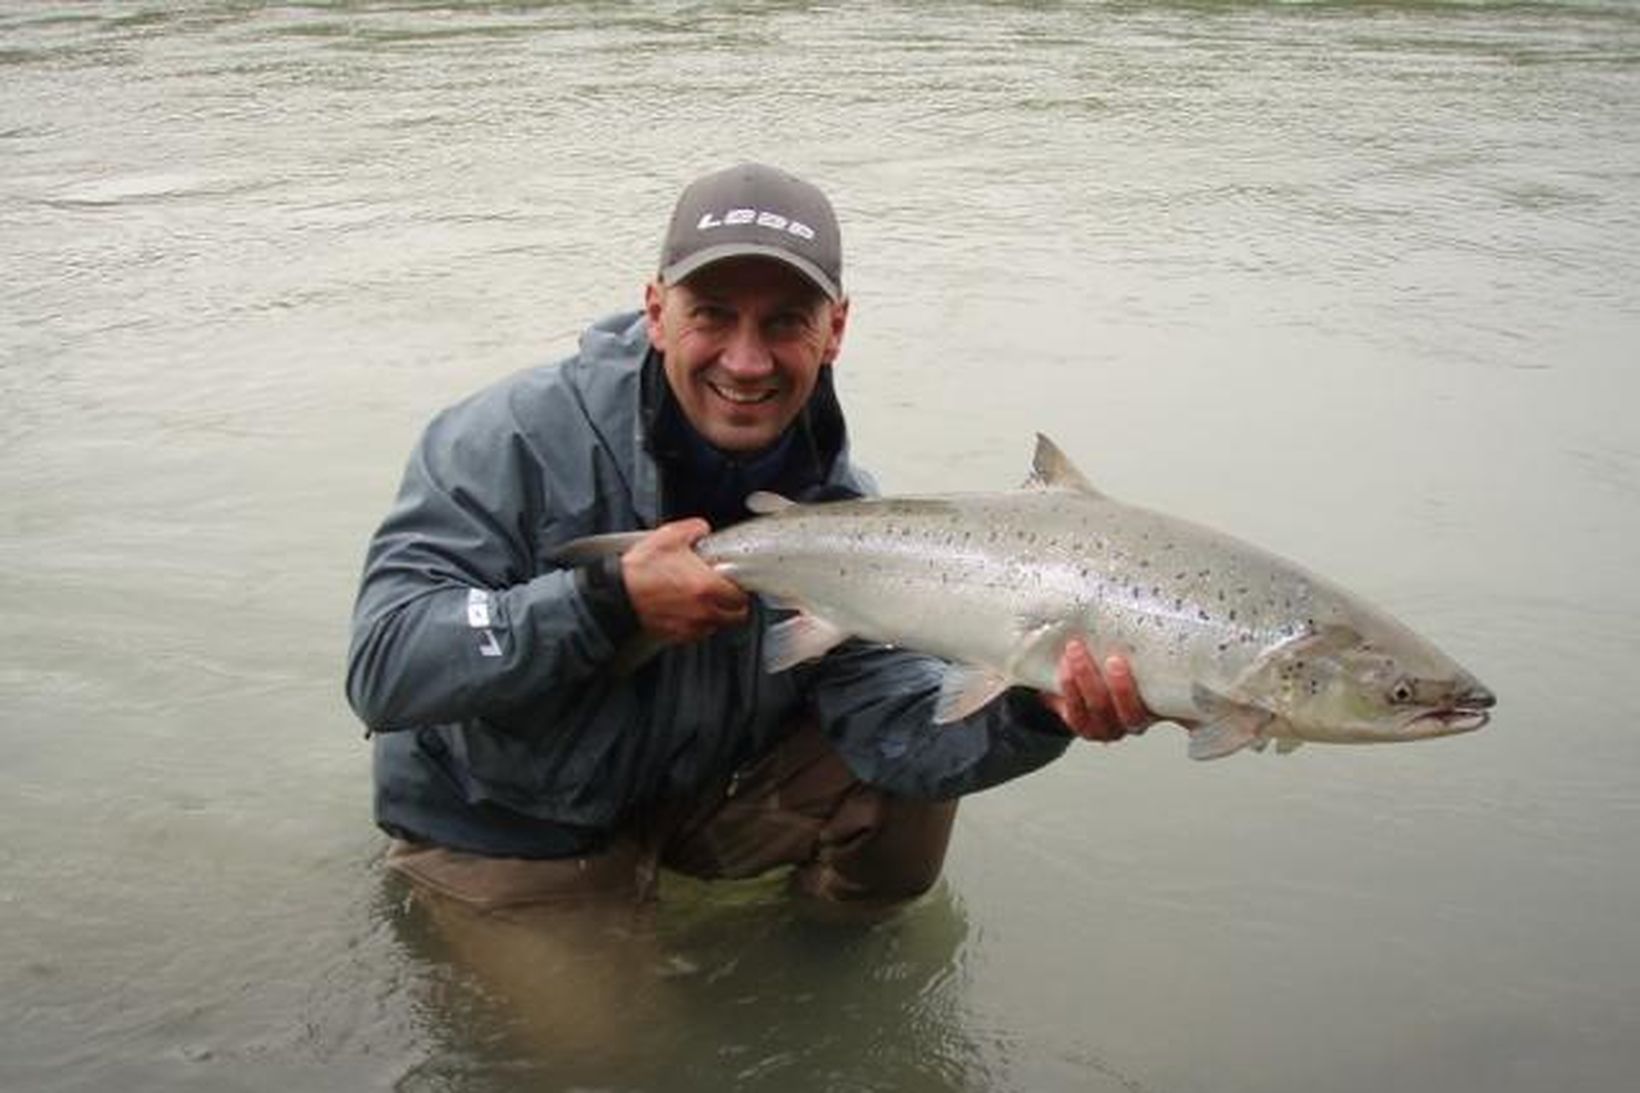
{"type": "Point", "coordinates": [834, 336]}
{"type": "Point", "coordinates": [654, 305]}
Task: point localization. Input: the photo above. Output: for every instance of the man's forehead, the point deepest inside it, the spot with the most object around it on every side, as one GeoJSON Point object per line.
{"type": "Point", "coordinates": [750, 276]}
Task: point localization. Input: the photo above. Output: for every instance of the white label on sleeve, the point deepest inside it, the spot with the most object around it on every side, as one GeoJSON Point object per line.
{"type": "Point", "coordinates": [478, 608]}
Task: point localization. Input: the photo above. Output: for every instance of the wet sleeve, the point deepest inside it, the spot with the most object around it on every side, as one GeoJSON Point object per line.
{"type": "Point", "coordinates": [456, 617]}
{"type": "Point", "coordinates": [877, 705]}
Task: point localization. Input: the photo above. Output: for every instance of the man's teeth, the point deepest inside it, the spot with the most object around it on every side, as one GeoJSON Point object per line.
{"type": "Point", "coordinates": [742, 398]}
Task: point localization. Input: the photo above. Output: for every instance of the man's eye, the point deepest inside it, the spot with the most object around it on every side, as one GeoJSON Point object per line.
{"type": "Point", "coordinates": [788, 324]}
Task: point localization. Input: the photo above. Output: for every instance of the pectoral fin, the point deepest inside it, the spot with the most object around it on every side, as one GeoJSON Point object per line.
{"type": "Point", "coordinates": [799, 638]}
{"type": "Point", "coordinates": [1229, 727]}
{"type": "Point", "coordinates": [965, 689]}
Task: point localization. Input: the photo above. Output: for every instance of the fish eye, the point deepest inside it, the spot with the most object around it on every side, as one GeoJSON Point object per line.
{"type": "Point", "coordinates": [1402, 692]}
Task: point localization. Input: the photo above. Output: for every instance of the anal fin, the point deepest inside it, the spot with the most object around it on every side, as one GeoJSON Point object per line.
{"type": "Point", "coordinates": [965, 689]}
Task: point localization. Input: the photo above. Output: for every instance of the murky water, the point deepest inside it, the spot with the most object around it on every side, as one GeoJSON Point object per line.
{"type": "Point", "coordinates": [1355, 281]}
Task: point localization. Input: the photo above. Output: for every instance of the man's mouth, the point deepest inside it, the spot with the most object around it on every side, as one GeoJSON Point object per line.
{"type": "Point", "coordinates": [743, 397]}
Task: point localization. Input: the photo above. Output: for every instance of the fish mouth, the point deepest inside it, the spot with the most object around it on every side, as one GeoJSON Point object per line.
{"type": "Point", "coordinates": [1463, 720]}
{"type": "Point", "coordinates": [1469, 711]}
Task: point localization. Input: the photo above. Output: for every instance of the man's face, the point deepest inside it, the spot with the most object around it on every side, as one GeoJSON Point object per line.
{"type": "Point", "coordinates": [743, 341]}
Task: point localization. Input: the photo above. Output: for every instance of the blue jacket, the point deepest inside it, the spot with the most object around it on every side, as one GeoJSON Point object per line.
{"type": "Point", "coordinates": [484, 671]}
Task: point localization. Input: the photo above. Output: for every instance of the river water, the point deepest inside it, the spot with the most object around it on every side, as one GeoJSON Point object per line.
{"type": "Point", "coordinates": [1354, 281]}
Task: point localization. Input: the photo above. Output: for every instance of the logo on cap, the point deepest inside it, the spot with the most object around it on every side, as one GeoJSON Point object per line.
{"type": "Point", "coordinates": [759, 217]}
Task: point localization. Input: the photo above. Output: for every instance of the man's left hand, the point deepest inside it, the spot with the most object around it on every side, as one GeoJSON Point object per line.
{"type": "Point", "coordinates": [1098, 704]}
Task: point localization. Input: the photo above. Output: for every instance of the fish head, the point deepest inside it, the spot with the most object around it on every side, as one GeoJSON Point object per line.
{"type": "Point", "coordinates": [1371, 683]}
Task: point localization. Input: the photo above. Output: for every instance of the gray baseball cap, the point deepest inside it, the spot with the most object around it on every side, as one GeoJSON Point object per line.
{"type": "Point", "coordinates": [753, 209]}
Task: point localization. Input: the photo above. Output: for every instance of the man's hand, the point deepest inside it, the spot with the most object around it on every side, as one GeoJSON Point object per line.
{"type": "Point", "coordinates": [677, 596]}
{"type": "Point", "coordinates": [1095, 705]}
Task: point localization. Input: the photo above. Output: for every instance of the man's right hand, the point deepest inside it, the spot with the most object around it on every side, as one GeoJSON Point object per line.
{"type": "Point", "coordinates": [677, 596]}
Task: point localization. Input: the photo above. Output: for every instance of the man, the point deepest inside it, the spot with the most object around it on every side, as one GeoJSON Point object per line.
{"type": "Point", "coordinates": [520, 759]}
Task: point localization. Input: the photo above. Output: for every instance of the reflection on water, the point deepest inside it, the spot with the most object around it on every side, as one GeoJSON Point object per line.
{"type": "Point", "coordinates": [1352, 281]}
{"type": "Point", "coordinates": [726, 982]}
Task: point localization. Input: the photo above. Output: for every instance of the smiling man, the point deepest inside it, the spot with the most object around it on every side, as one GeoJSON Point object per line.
{"type": "Point", "coordinates": [520, 759]}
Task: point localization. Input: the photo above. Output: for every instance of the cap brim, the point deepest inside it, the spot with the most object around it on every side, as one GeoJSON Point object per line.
{"type": "Point", "coordinates": [681, 269]}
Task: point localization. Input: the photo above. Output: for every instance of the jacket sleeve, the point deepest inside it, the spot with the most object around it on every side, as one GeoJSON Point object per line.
{"type": "Point", "coordinates": [876, 705]}
{"type": "Point", "coordinates": [457, 617]}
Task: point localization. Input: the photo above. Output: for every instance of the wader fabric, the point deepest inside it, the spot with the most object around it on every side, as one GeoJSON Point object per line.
{"type": "Point", "coordinates": [799, 806]}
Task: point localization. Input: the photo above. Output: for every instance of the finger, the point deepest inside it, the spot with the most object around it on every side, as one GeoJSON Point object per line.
{"type": "Point", "coordinates": [1062, 709]}
{"type": "Point", "coordinates": [1088, 704]}
{"type": "Point", "coordinates": [723, 593]}
{"type": "Point", "coordinates": [1124, 695]}
{"type": "Point", "coordinates": [730, 606]}
{"type": "Point", "coordinates": [682, 533]}
{"type": "Point", "coordinates": [1103, 722]}
{"type": "Point", "coordinates": [1068, 703]}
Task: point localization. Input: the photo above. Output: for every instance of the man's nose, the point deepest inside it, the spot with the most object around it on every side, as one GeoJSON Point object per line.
{"type": "Point", "coordinates": [747, 353]}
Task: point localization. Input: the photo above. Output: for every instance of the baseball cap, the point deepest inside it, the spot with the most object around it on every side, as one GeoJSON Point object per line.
{"type": "Point", "coordinates": [754, 209]}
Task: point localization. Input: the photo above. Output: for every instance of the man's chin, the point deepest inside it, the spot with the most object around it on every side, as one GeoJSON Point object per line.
{"type": "Point", "coordinates": [743, 433]}
{"type": "Point", "coordinates": [741, 441]}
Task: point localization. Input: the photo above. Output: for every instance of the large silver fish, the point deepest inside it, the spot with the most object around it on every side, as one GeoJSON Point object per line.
{"type": "Point", "coordinates": [1231, 641]}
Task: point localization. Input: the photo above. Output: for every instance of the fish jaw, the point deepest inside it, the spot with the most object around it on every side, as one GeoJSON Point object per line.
{"type": "Point", "coordinates": [1469, 711]}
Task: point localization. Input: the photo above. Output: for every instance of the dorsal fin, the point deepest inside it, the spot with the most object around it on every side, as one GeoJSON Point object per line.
{"type": "Point", "coordinates": [1051, 468]}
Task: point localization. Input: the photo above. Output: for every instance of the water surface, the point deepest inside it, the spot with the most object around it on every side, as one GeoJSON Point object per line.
{"type": "Point", "coordinates": [1354, 281]}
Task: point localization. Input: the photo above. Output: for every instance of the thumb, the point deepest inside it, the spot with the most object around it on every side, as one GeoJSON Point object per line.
{"type": "Point", "coordinates": [682, 533]}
